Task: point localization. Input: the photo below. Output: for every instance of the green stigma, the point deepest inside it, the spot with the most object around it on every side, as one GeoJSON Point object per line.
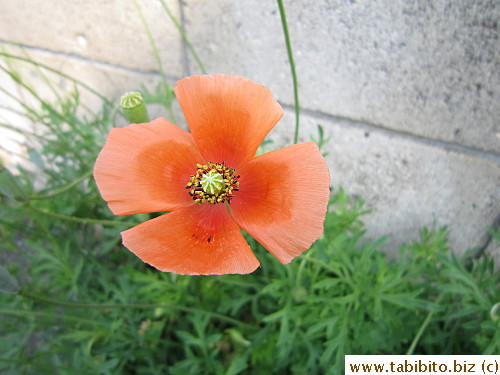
{"type": "Point", "coordinates": [212, 182]}
{"type": "Point", "coordinates": [131, 100]}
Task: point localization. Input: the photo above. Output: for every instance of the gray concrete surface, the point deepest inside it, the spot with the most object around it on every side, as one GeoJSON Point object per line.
{"type": "Point", "coordinates": [109, 31]}
{"type": "Point", "coordinates": [430, 68]}
{"type": "Point", "coordinates": [409, 91]}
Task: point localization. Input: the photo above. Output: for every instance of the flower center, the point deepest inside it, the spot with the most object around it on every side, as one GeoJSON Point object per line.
{"type": "Point", "coordinates": [213, 183]}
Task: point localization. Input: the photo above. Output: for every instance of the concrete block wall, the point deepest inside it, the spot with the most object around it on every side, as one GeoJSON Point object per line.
{"type": "Point", "coordinates": [408, 91]}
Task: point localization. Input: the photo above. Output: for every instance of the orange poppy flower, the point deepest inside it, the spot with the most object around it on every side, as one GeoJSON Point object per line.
{"type": "Point", "coordinates": [212, 182]}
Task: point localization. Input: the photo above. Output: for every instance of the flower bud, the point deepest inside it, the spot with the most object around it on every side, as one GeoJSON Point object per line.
{"type": "Point", "coordinates": [134, 108]}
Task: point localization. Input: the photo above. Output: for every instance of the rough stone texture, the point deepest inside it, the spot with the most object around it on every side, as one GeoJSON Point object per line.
{"type": "Point", "coordinates": [430, 68]}
{"type": "Point", "coordinates": [409, 91]}
{"type": "Point", "coordinates": [109, 31]}
{"type": "Point", "coordinates": [408, 183]}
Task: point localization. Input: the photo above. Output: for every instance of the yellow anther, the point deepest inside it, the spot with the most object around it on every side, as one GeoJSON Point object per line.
{"type": "Point", "coordinates": [212, 183]}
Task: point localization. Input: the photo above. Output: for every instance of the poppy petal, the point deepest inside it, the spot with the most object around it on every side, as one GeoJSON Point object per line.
{"type": "Point", "coordinates": [145, 168]}
{"type": "Point", "coordinates": [229, 116]}
{"type": "Point", "coordinates": [283, 198]}
{"type": "Point", "coordinates": [197, 240]}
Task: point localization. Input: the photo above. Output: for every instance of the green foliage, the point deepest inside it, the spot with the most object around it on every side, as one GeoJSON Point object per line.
{"type": "Point", "coordinates": [75, 301]}
{"type": "Point", "coordinates": [321, 141]}
{"type": "Point", "coordinates": [9, 186]}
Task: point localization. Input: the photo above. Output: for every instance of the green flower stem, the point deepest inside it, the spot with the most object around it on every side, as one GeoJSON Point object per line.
{"type": "Point", "coordinates": [44, 104]}
{"type": "Point", "coordinates": [21, 131]}
{"type": "Point", "coordinates": [63, 188]}
{"type": "Point", "coordinates": [215, 315]}
{"type": "Point", "coordinates": [423, 327]}
{"type": "Point", "coordinates": [49, 315]}
{"type": "Point", "coordinates": [43, 75]}
{"type": "Point", "coordinates": [31, 112]}
{"type": "Point", "coordinates": [82, 220]}
{"type": "Point", "coordinates": [40, 367]}
{"type": "Point", "coordinates": [52, 86]}
{"type": "Point", "coordinates": [184, 37]}
{"type": "Point", "coordinates": [115, 111]}
{"type": "Point", "coordinates": [13, 110]}
{"type": "Point", "coordinates": [134, 108]}
{"type": "Point", "coordinates": [28, 60]}
{"type": "Point", "coordinates": [16, 129]}
{"type": "Point", "coordinates": [166, 86]}
{"type": "Point", "coordinates": [292, 68]}
{"type": "Point", "coordinates": [305, 258]}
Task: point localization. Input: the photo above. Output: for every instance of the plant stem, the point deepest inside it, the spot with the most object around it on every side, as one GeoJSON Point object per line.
{"type": "Point", "coordinates": [45, 104]}
{"type": "Point", "coordinates": [43, 75]}
{"type": "Point", "coordinates": [5, 54]}
{"type": "Point", "coordinates": [49, 315]}
{"type": "Point", "coordinates": [31, 112]}
{"type": "Point", "coordinates": [184, 37]}
{"type": "Point", "coordinates": [133, 306]}
{"type": "Point", "coordinates": [83, 220]}
{"type": "Point", "coordinates": [20, 131]}
{"type": "Point", "coordinates": [292, 68]}
{"type": "Point", "coordinates": [305, 258]}
{"type": "Point", "coordinates": [63, 188]}
{"type": "Point", "coordinates": [423, 327]}
{"type": "Point", "coordinates": [166, 86]}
